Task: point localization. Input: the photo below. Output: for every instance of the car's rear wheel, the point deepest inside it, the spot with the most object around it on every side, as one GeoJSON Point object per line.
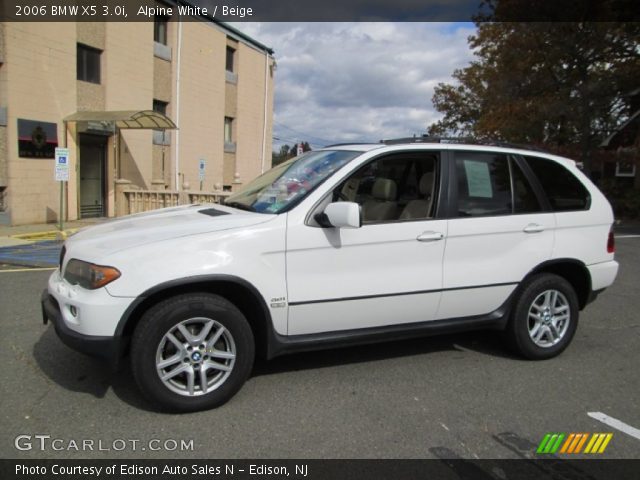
{"type": "Point", "coordinates": [192, 352]}
{"type": "Point", "coordinates": [544, 318]}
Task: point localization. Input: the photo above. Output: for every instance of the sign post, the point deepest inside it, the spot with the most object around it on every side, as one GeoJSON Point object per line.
{"type": "Point", "coordinates": [61, 175]}
{"type": "Point", "coordinates": [201, 168]}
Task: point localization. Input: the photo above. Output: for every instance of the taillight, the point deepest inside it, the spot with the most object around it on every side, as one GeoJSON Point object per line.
{"type": "Point", "coordinates": [611, 243]}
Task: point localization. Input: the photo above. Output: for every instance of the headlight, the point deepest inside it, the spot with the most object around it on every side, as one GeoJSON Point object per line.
{"type": "Point", "coordinates": [89, 275]}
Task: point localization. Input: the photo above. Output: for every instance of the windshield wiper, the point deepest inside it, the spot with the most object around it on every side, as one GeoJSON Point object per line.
{"type": "Point", "coordinates": [240, 206]}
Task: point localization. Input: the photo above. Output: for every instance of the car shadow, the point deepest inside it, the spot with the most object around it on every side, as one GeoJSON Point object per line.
{"type": "Point", "coordinates": [81, 374]}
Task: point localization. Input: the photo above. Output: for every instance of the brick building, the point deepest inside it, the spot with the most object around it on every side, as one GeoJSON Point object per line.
{"type": "Point", "coordinates": [113, 93]}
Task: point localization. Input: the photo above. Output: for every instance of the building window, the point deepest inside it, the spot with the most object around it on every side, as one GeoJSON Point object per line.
{"type": "Point", "coordinates": [231, 52]}
{"type": "Point", "coordinates": [228, 130]}
{"type": "Point", "coordinates": [88, 64]}
{"type": "Point", "coordinates": [160, 106]}
{"type": "Point", "coordinates": [625, 168]}
{"type": "Point", "coordinates": [229, 143]}
{"type": "Point", "coordinates": [161, 136]}
{"type": "Point", "coordinates": [160, 25]}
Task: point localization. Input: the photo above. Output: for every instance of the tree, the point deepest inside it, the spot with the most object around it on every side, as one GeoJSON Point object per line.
{"type": "Point", "coordinates": [281, 156]}
{"type": "Point", "coordinates": [287, 152]}
{"type": "Point", "coordinates": [560, 84]}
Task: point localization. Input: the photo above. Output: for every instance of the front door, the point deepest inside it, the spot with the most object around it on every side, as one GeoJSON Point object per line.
{"type": "Point", "coordinates": [92, 175]}
{"type": "Point", "coordinates": [389, 271]}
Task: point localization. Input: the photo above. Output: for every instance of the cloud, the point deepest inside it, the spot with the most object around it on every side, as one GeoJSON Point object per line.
{"type": "Point", "coordinates": [342, 82]}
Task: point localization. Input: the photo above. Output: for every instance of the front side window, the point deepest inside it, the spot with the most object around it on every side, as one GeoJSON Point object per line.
{"type": "Point", "coordinates": [395, 187]}
{"type": "Point", "coordinates": [287, 184]}
{"type": "Point", "coordinates": [564, 191]}
{"type": "Point", "coordinates": [88, 64]}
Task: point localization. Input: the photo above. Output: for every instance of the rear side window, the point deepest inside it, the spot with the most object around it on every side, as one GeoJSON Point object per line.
{"type": "Point", "coordinates": [492, 184]}
{"type": "Point", "coordinates": [484, 184]}
{"type": "Point", "coordinates": [524, 198]}
{"type": "Point", "coordinates": [564, 191]}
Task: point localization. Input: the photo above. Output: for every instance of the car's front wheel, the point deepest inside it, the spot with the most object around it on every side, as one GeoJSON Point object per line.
{"type": "Point", "coordinates": [192, 352]}
{"type": "Point", "coordinates": [544, 318]}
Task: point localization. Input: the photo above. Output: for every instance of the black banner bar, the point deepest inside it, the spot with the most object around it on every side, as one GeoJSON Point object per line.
{"type": "Point", "coordinates": [319, 11]}
{"type": "Point", "coordinates": [454, 469]}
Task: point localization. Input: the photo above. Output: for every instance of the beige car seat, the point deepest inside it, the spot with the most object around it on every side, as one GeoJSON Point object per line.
{"type": "Point", "coordinates": [383, 205]}
{"type": "Point", "coordinates": [420, 208]}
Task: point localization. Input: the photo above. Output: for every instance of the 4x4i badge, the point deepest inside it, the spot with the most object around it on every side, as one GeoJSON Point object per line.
{"type": "Point", "coordinates": [278, 302]}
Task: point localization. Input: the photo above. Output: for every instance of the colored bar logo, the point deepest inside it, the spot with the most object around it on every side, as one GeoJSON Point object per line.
{"type": "Point", "coordinates": [574, 442]}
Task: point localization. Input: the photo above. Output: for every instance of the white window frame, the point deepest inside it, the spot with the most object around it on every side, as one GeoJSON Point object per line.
{"type": "Point", "coordinates": [631, 173]}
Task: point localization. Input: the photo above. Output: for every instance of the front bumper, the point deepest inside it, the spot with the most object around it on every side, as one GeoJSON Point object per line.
{"type": "Point", "coordinates": [107, 348]}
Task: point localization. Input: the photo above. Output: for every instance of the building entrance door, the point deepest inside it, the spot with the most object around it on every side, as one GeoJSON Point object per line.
{"type": "Point", "coordinates": [93, 166]}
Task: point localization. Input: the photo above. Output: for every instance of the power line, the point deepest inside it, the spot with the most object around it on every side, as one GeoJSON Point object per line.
{"type": "Point", "coordinates": [283, 140]}
{"type": "Point", "coordinates": [320, 140]}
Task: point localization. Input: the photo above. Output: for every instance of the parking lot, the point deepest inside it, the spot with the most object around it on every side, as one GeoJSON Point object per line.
{"type": "Point", "coordinates": [452, 396]}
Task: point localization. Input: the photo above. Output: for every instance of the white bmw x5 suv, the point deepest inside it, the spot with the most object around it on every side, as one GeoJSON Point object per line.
{"type": "Point", "coordinates": [348, 244]}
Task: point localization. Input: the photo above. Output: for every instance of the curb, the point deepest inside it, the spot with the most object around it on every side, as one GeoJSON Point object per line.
{"type": "Point", "coordinates": [49, 235]}
{"type": "Point", "coordinates": [27, 264]}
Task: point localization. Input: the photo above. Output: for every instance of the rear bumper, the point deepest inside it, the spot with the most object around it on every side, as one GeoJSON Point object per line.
{"type": "Point", "coordinates": [106, 348]}
{"type": "Point", "coordinates": [603, 274]}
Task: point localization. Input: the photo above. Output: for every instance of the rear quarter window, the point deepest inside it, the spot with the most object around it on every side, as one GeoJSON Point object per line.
{"type": "Point", "coordinates": [562, 188]}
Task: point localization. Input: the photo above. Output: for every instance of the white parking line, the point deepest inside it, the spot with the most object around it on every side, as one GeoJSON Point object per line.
{"type": "Point", "coordinates": [615, 423]}
{"type": "Point", "coordinates": [13, 270]}
{"type": "Point", "coordinates": [627, 236]}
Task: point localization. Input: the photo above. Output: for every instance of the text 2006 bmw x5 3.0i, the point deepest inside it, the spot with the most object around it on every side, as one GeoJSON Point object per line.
{"type": "Point", "coordinates": [348, 244]}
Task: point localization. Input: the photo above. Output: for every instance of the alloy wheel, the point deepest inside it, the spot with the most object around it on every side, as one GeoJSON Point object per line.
{"type": "Point", "coordinates": [195, 357]}
{"type": "Point", "coordinates": [548, 319]}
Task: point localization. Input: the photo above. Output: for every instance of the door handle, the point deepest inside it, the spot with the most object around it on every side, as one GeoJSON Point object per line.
{"type": "Point", "coordinates": [430, 237]}
{"type": "Point", "coordinates": [533, 228]}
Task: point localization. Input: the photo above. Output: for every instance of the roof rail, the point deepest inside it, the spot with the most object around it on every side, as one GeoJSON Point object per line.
{"type": "Point", "coordinates": [460, 140]}
{"type": "Point", "coordinates": [348, 143]}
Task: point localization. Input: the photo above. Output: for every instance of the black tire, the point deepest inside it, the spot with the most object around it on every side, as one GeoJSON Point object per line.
{"type": "Point", "coordinates": [165, 317]}
{"type": "Point", "coordinates": [519, 326]}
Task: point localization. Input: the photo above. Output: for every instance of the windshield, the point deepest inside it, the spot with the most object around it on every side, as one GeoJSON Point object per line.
{"type": "Point", "coordinates": [285, 185]}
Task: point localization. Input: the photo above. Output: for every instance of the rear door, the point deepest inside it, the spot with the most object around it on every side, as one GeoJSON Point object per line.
{"type": "Point", "coordinates": [499, 229]}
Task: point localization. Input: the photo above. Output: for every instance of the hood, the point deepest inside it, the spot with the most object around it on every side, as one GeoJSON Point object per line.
{"type": "Point", "coordinates": [98, 241]}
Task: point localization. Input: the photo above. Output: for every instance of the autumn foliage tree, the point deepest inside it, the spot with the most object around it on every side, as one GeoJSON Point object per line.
{"type": "Point", "coordinates": [559, 84]}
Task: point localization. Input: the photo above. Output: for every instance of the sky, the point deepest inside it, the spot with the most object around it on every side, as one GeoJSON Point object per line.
{"type": "Point", "coordinates": [350, 82]}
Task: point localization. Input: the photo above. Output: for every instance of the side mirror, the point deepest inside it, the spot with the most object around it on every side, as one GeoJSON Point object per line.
{"type": "Point", "coordinates": [343, 215]}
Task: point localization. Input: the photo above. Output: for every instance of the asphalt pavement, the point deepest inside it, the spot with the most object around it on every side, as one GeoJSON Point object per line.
{"type": "Point", "coordinates": [440, 397]}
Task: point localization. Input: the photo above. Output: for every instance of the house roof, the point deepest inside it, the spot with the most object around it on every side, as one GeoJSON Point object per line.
{"type": "Point", "coordinates": [606, 142]}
